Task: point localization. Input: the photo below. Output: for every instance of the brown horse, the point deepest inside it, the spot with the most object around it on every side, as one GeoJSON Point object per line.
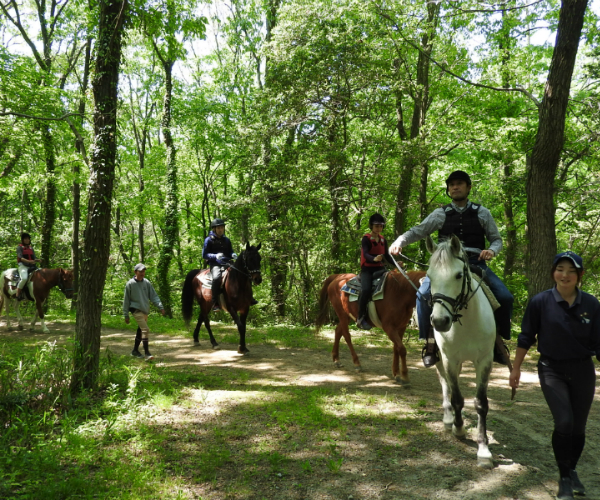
{"type": "Point", "coordinates": [394, 311]}
{"type": "Point", "coordinates": [40, 283]}
{"type": "Point", "coordinates": [235, 297]}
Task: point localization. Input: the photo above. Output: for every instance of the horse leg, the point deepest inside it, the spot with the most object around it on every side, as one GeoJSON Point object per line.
{"type": "Point", "coordinates": [18, 315]}
{"type": "Point", "coordinates": [342, 330]}
{"type": "Point", "coordinates": [213, 341]}
{"type": "Point", "coordinates": [240, 321]}
{"type": "Point", "coordinates": [399, 367]}
{"type": "Point", "coordinates": [484, 456]}
{"type": "Point", "coordinates": [448, 418]}
{"type": "Point", "coordinates": [7, 308]}
{"type": "Point", "coordinates": [40, 313]}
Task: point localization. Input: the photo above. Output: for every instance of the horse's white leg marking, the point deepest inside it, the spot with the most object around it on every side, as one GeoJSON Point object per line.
{"type": "Point", "coordinates": [484, 456]}
{"type": "Point", "coordinates": [7, 300]}
{"type": "Point", "coordinates": [18, 314]}
{"type": "Point", "coordinates": [448, 418]}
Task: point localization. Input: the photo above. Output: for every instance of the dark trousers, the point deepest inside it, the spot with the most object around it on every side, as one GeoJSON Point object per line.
{"type": "Point", "coordinates": [216, 271]}
{"type": "Point", "coordinates": [366, 282]}
{"type": "Point", "coordinates": [569, 391]}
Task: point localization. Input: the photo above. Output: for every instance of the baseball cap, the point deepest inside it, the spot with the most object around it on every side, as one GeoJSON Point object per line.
{"type": "Point", "coordinates": [572, 256]}
{"type": "Point", "coordinates": [139, 267]}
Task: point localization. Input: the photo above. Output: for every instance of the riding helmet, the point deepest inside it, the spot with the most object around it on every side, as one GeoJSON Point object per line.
{"type": "Point", "coordinates": [458, 175]}
{"type": "Point", "coordinates": [25, 235]}
{"type": "Point", "coordinates": [217, 222]}
{"type": "Point", "coordinates": [376, 219]}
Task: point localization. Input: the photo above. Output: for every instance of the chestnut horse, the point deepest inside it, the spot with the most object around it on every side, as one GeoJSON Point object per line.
{"type": "Point", "coordinates": [40, 283]}
{"type": "Point", "coordinates": [236, 294]}
{"type": "Point", "coordinates": [394, 311]}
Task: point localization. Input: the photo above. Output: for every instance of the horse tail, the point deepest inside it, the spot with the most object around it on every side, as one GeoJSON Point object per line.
{"type": "Point", "coordinates": [187, 296]}
{"type": "Point", "coordinates": [323, 302]}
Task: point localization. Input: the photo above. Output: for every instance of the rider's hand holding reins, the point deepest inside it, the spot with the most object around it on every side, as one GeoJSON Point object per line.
{"type": "Point", "coordinates": [378, 258]}
{"type": "Point", "coordinates": [395, 249]}
{"type": "Point", "coordinates": [487, 255]}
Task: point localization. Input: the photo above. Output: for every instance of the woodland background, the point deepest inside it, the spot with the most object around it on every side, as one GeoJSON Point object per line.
{"type": "Point", "coordinates": [292, 120]}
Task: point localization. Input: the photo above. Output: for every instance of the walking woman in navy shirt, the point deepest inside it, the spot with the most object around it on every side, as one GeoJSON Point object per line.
{"type": "Point", "coordinates": [566, 323]}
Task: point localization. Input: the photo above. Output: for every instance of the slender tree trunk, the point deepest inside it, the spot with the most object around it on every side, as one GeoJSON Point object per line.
{"type": "Point", "coordinates": [96, 248]}
{"type": "Point", "coordinates": [335, 164]}
{"type": "Point", "coordinates": [549, 145]}
{"type": "Point", "coordinates": [49, 209]}
{"type": "Point", "coordinates": [171, 228]}
{"type": "Point", "coordinates": [421, 103]}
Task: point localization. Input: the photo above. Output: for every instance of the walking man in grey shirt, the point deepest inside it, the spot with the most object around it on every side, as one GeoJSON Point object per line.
{"type": "Point", "coordinates": [473, 224]}
{"type": "Point", "coordinates": [139, 292]}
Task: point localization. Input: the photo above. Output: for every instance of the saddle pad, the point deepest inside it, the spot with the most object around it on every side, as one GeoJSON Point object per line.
{"type": "Point", "coordinates": [352, 287]}
{"type": "Point", "coordinates": [205, 279]}
{"type": "Point", "coordinates": [488, 293]}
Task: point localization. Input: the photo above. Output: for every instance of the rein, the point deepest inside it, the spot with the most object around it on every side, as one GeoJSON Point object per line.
{"type": "Point", "coordinates": [404, 273]}
{"type": "Point", "coordinates": [250, 271]}
{"type": "Point", "coordinates": [462, 300]}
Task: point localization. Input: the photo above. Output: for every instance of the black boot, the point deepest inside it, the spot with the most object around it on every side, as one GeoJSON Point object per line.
{"type": "Point", "coordinates": [138, 339]}
{"type": "Point", "coordinates": [363, 324]}
{"type": "Point", "coordinates": [147, 355]}
{"type": "Point", "coordinates": [565, 489]}
{"type": "Point", "coordinates": [499, 356]}
{"type": "Point", "coordinates": [430, 351]}
{"type": "Point", "coordinates": [578, 487]}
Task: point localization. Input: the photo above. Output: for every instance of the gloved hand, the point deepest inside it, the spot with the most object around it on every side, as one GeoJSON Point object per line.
{"type": "Point", "coordinates": [234, 256]}
{"type": "Point", "coordinates": [221, 259]}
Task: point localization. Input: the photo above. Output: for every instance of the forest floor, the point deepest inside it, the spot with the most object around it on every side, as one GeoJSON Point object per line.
{"type": "Point", "coordinates": [388, 441]}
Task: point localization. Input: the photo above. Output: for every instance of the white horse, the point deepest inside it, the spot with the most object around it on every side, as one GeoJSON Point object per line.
{"type": "Point", "coordinates": [465, 330]}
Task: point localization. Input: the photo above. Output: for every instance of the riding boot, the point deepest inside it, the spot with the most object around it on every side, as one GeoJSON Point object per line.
{"type": "Point", "coordinates": [147, 355]}
{"type": "Point", "coordinates": [362, 321]}
{"type": "Point", "coordinates": [216, 305]}
{"type": "Point", "coordinates": [578, 487]}
{"type": "Point", "coordinates": [499, 356]}
{"type": "Point", "coordinates": [565, 489]}
{"type": "Point", "coordinates": [138, 339]}
{"type": "Point", "coordinates": [430, 351]}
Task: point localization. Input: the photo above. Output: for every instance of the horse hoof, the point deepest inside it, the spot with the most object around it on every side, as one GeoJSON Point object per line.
{"type": "Point", "coordinates": [358, 368]}
{"type": "Point", "coordinates": [337, 364]}
{"type": "Point", "coordinates": [196, 343]}
{"type": "Point", "coordinates": [243, 351]}
{"type": "Point", "coordinates": [45, 330]}
{"type": "Point", "coordinates": [485, 463]}
{"type": "Point", "coordinates": [9, 328]}
{"type": "Point", "coordinates": [31, 329]}
{"type": "Point", "coordinates": [19, 328]}
{"type": "Point", "coordinates": [401, 381]}
{"type": "Point", "coordinates": [459, 433]}
{"type": "Point", "coordinates": [216, 347]}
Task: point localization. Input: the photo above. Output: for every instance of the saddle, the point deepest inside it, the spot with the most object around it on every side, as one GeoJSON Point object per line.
{"type": "Point", "coordinates": [206, 279]}
{"type": "Point", "coordinates": [13, 278]}
{"type": "Point", "coordinates": [353, 286]}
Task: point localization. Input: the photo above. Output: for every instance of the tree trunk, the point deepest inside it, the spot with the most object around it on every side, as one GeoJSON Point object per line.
{"type": "Point", "coordinates": [548, 146]}
{"type": "Point", "coordinates": [421, 103]}
{"type": "Point", "coordinates": [96, 248]}
{"type": "Point", "coordinates": [49, 208]}
{"type": "Point", "coordinates": [171, 227]}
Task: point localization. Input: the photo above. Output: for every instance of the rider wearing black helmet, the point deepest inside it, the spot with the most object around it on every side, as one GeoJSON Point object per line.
{"type": "Point", "coordinates": [218, 252]}
{"type": "Point", "coordinates": [25, 262]}
{"type": "Point", "coordinates": [473, 224]}
{"type": "Point", "coordinates": [373, 249]}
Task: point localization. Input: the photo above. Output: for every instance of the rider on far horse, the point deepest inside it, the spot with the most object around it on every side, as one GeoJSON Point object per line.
{"type": "Point", "coordinates": [26, 261]}
{"type": "Point", "coordinates": [472, 224]}
{"type": "Point", "coordinates": [373, 249]}
{"type": "Point", "coordinates": [218, 252]}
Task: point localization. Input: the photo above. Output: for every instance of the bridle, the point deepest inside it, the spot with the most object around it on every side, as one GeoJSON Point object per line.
{"type": "Point", "coordinates": [248, 273]}
{"type": "Point", "coordinates": [61, 285]}
{"type": "Point", "coordinates": [462, 300]}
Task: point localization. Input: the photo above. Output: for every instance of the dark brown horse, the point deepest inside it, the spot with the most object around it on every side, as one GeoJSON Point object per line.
{"type": "Point", "coordinates": [39, 286]}
{"type": "Point", "coordinates": [394, 311]}
{"type": "Point", "coordinates": [235, 298]}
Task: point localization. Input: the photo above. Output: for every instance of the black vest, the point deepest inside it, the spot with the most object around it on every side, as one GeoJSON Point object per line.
{"type": "Point", "coordinates": [465, 225]}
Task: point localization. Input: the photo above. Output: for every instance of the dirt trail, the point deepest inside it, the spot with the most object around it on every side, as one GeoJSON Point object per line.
{"type": "Point", "coordinates": [444, 468]}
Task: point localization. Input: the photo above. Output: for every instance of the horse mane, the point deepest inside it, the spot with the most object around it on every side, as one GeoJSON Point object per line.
{"type": "Point", "coordinates": [444, 255]}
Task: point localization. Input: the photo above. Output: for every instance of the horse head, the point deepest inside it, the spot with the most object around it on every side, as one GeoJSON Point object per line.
{"type": "Point", "coordinates": [65, 283]}
{"type": "Point", "coordinates": [450, 281]}
{"type": "Point", "coordinates": [252, 262]}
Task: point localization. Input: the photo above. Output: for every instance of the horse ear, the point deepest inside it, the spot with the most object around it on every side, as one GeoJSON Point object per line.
{"type": "Point", "coordinates": [456, 245]}
{"type": "Point", "coordinates": [247, 245]}
{"type": "Point", "coordinates": [430, 244]}
{"type": "Point", "coordinates": [258, 246]}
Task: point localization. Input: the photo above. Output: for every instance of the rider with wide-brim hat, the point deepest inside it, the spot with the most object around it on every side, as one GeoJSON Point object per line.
{"type": "Point", "coordinates": [473, 224]}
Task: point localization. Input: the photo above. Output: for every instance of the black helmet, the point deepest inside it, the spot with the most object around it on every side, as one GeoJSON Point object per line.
{"type": "Point", "coordinates": [217, 222]}
{"type": "Point", "coordinates": [458, 175]}
{"type": "Point", "coordinates": [376, 219]}
{"type": "Point", "coordinates": [25, 235]}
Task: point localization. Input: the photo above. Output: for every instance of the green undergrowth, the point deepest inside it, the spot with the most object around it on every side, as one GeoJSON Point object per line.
{"type": "Point", "coordinates": [122, 441]}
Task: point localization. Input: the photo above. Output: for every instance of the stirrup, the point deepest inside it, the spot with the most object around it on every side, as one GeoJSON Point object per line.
{"type": "Point", "coordinates": [363, 324]}
{"type": "Point", "coordinates": [429, 355]}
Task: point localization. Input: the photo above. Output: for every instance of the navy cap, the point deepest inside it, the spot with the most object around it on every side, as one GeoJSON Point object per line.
{"type": "Point", "coordinates": [572, 256]}
{"type": "Point", "coordinates": [139, 267]}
